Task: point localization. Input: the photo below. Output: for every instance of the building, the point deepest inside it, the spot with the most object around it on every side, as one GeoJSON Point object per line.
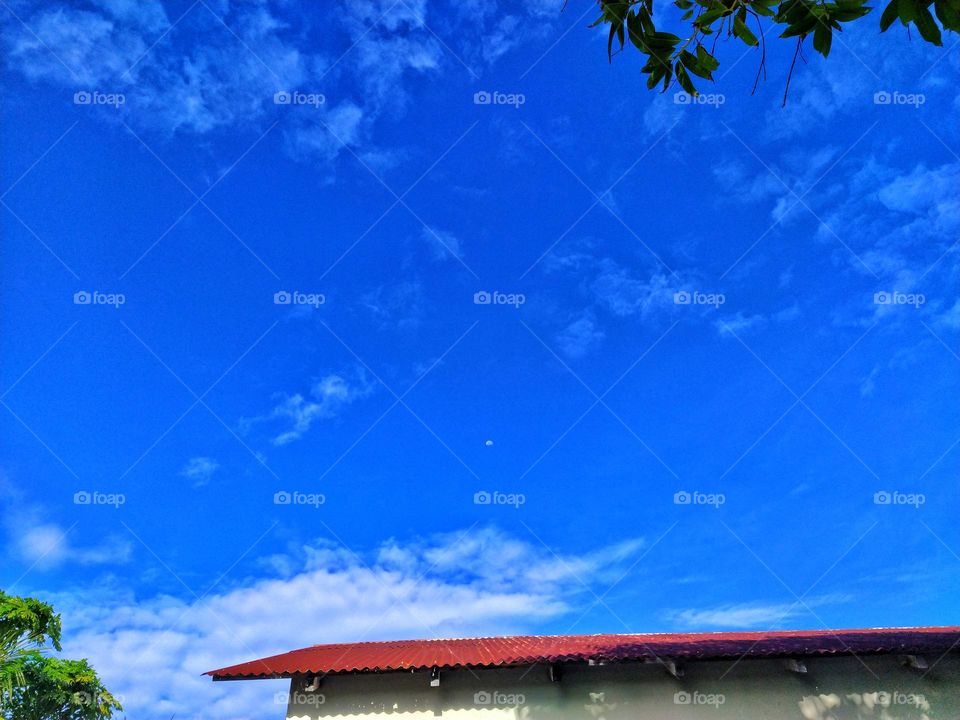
{"type": "Point", "coordinates": [887, 674]}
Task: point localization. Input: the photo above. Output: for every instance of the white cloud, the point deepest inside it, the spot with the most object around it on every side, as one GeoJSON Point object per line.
{"type": "Point", "coordinates": [737, 324]}
{"type": "Point", "coordinates": [199, 469]}
{"type": "Point", "coordinates": [611, 290]}
{"type": "Point", "coordinates": [152, 650]}
{"type": "Point", "coordinates": [624, 294]}
{"type": "Point", "coordinates": [46, 545]}
{"type": "Point", "coordinates": [662, 113]}
{"type": "Point", "coordinates": [327, 397]}
{"type": "Point", "coordinates": [227, 76]}
{"type": "Point", "coordinates": [214, 82]}
{"type": "Point", "coordinates": [42, 543]}
{"type": "Point", "coordinates": [951, 317]}
{"type": "Point", "coordinates": [399, 305]}
{"type": "Point", "coordinates": [901, 225]}
{"type": "Point", "coordinates": [487, 30]}
{"type": "Point", "coordinates": [898, 220]}
{"type": "Point", "coordinates": [749, 615]}
{"type": "Point", "coordinates": [868, 384]}
{"type": "Point", "coordinates": [88, 48]}
{"type": "Point", "coordinates": [444, 245]}
{"type": "Point", "coordinates": [580, 336]}
{"type": "Point", "coordinates": [929, 194]}
{"type": "Point", "coordinates": [342, 126]}
{"type": "Point", "coordinates": [148, 14]}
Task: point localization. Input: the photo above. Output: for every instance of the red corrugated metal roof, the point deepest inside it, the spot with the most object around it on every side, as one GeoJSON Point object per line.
{"type": "Point", "coordinates": [366, 657]}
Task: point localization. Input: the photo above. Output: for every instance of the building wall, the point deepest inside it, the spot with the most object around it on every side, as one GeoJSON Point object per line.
{"type": "Point", "coordinates": [838, 688]}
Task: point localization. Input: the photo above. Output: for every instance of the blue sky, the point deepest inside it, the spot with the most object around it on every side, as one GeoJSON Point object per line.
{"type": "Point", "coordinates": [688, 309]}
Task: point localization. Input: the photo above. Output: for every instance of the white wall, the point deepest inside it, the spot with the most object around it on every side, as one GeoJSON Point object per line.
{"type": "Point", "coordinates": [834, 688]}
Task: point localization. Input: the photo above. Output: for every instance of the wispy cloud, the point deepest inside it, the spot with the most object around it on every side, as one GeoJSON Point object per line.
{"type": "Point", "coordinates": [580, 336]}
{"type": "Point", "coordinates": [245, 54]}
{"type": "Point", "coordinates": [623, 293]}
{"type": "Point", "coordinates": [443, 245]}
{"type": "Point", "coordinates": [199, 469]}
{"type": "Point", "coordinates": [48, 545]}
{"type": "Point", "coordinates": [740, 323]}
{"type": "Point", "coordinates": [400, 305]}
{"type": "Point", "coordinates": [750, 615]}
{"type": "Point", "coordinates": [611, 291]}
{"type": "Point", "coordinates": [325, 399]}
{"type": "Point", "coordinates": [483, 581]}
{"type": "Point", "coordinates": [44, 544]}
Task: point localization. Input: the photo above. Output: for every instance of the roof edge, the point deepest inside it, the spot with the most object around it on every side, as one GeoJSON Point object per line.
{"type": "Point", "coordinates": [522, 650]}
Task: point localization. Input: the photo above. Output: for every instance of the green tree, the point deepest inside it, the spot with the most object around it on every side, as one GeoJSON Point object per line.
{"type": "Point", "coordinates": [672, 58]}
{"type": "Point", "coordinates": [36, 686]}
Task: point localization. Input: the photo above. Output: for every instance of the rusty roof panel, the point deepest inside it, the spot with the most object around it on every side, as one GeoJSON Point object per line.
{"type": "Point", "coordinates": [392, 655]}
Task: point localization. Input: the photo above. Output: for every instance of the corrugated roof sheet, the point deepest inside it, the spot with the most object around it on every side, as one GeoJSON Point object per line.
{"type": "Point", "coordinates": [368, 657]}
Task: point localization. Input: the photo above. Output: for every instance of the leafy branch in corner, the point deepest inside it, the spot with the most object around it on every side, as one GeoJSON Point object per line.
{"type": "Point", "coordinates": [671, 58]}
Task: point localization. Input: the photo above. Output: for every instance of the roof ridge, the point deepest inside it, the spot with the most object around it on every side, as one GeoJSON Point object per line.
{"type": "Point", "coordinates": [662, 633]}
{"type": "Point", "coordinates": [513, 650]}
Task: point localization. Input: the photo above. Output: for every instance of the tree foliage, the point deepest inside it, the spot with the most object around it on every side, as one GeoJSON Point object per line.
{"type": "Point", "coordinates": [35, 686]}
{"type": "Point", "coordinates": [25, 624]}
{"type": "Point", "coordinates": [672, 58]}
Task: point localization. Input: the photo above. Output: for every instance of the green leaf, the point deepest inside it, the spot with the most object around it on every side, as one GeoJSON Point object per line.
{"type": "Point", "coordinates": [654, 79]}
{"type": "Point", "coordinates": [617, 10]}
{"type": "Point", "coordinates": [889, 15]}
{"type": "Point", "coordinates": [706, 59]}
{"type": "Point", "coordinates": [928, 26]}
{"type": "Point", "coordinates": [635, 30]}
{"type": "Point", "coordinates": [667, 77]}
{"type": "Point", "coordinates": [741, 31]}
{"type": "Point", "coordinates": [660, 39]}
{"type": "Point", "coordinates": [711, 16]}
{"type": "Point", "coordinates": [792, 11]}
{"type": "Point", "coordinates": [847, 14]}
{"type": "Point", "coordinates": [907, 10]}
{"type": "Point", "coordinates": [685, 82]}
{"type": "Point", "coordinates": [613, 33]}
{"type": "Point", "coordinates": [822, 38]}
{"type": "Point", "coordinates": [801, 27]}
{"type": "Point", "coordinates": [948, 15]}
{"type": "Point", "coordinates": [646, 22]}
{"type": "Point", "coordinates": [691, 63]}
